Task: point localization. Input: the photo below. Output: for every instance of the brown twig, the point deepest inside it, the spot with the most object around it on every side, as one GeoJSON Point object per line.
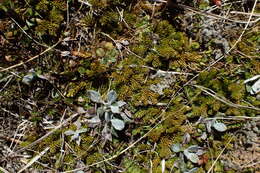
{"type": "Point", "coordinates": [224, 100]}
{"type": "Point", "coordinates": [64, 123]}
{"type": "Point", "coordinates": [31, 59]}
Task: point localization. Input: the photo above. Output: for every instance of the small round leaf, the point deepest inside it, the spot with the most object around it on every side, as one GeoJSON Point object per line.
{"type": "Point", "coordinates": [94, 96]}
{"type": "Point", "coordinates": [191, 156]}
{"type": "Point", "coordinates": [120, 103]}
{"type": "Point", "coordinates": [118, 124]}
{"type": "Point", "coordinates": [176, 148]}
{"type": "Point", "coordinates": [115, 109]}
{"type": "Point", "coordinates": [29, 78]}
{"type": "Point", "coordinates": [111, 96]}
{"type": "Point", "coordinates": [220, 127]}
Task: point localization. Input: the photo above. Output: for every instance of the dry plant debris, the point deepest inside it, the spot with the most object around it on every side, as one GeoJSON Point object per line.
{"type": "Point", "coordinates": [129, 86]}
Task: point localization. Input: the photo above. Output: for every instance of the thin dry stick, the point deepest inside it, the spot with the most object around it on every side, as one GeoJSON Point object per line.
{"type": "Point", "coordinates": [121, 13]}
{"type": "Point", "coordinates": [187, 83]}
{"type": "Point", "coordinates": [31, 59]}
{"type": "Point", "coordinates": [121, 152]}
{"type": "Point", "coordinates": [222, 151]}
{"type": "Point", "coordinates": [68, 15]}
{"type": "Point", "coordinates": [5, 85]}
{"type": "Point", "coordinates": [244, 30]}
{"type": "Point", "coordinates": [172, 98]}
{"type": "Point", "coordinates": [224, 100]}
{"type": "Point", "coordinates": [47, 167]}
{"type": "Point", "coordinates": [238, 118]}
{"type": "Point", "coordinates": [251, 165]}
{"type": "Point", "coordinates": [243, 13]}
{"type": "Point", "coordinates": [34, 160]}
{"type": "Point", "coordinates": [9, 112]}
{"type": "Point", "coordinates": [23, 129]}
{"type": "Point", "coordinates": [85, 3]}
{"type": "Point", "coordinates": [3, 170]}
{"type": "Point", "coordinates": [16, 134]}
{"type": "Point", "coordinates": [13, 140]}
{"type": "Point", "coordinates": [207, 14]}
{"type": "Point", "coordinates": [111, 158]}
{"type": "Point", "coordinates": [151, 166]}
{"type": "Point", "coordinates": [238, 40]}
{"type": "Point", "coordinates": [28, 34]}
{"type": "Point", "coordinates": [122, 45]}
{"type": "Point", "coordinates": [220, 58]}
{"type": "Point", "coordinates": [115, 42]}
{"type": "Point", "coordinates": [62, 151]}
{"type": "Point", "coordinates": [49, 133]}
{"type": "Point", "coordinates": [214, 7]}
{"type": "Point", "coordinates": [134, 143]}
{"type": "Point", "coordinates": [161, 71]}
{"type": "Point", "coordinates": [214, 16]}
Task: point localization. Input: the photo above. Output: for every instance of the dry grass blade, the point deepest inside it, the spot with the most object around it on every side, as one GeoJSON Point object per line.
{"type": "Point", "coordinates": [27, 33]}
{"type": "Point", "coordinates": [49, 133]}
{"type": "Point", "coordinates": [121, 152]}
{"type": "Point", "coordinates": [34, 160]}
{"type": "Point", "coordinates": [3, 170]}
{"type": "Point", "coordinates": [17, 138]}
{"type": "Point", "coordinates": [238, 40]}
{"type": "Point", "coordinates": [238, 118]}
{"type": "Point", "coordinates": [72, 75]}
{"type": "Point", "coordinates": [172, 98]}
{"type": "Point", "coordinates": [222, 151]}
{"type": "Point", "coordinates": [224, 100]}
{"type": "Point", "coordinates": [31, 59]}
{"type": "Point", "coordinates": [243, 13]}
{"type": "Point", "coordinates": [214, 16]}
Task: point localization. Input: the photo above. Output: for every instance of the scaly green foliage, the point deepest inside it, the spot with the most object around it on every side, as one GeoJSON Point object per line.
{"type": "Point", "coordinates": [98, 64]}
{"type": "Point", "coordinates": [54, 10]}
